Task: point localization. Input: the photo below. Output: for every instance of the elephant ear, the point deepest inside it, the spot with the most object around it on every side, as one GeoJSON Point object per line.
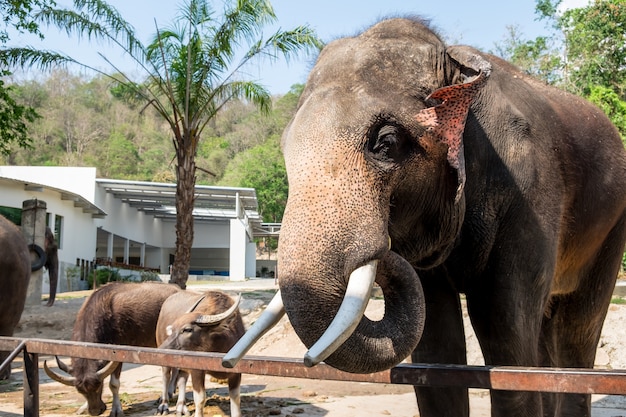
{"type": "Point", "coordinates": [446, 121]}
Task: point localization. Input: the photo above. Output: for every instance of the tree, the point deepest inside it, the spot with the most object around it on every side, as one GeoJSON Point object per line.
{"type": "Point", "coordinates": [585, 54]}
{"type": "Point", "coordinates": [192, 71]}
{"type": "Point", "coordinates": [16, 14]}
{"type": "Point", "coordinates": [536, 57]}
{"type": "Point", "coordinates": [262, 167]}
{"type": "Point", "coordinates": [596, 48]}
{"type": "Point", "coordinates": [594, 52]}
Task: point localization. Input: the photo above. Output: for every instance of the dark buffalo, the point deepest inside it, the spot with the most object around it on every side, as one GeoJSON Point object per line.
{"type": "Point", "coordinates": [15, 268]}
{"type": "Point", "coordinates": [204, 322]}
{"type": "Point", "coordinates": [116, 313]}
{"type": "Point", "coordinates": [408, 157]}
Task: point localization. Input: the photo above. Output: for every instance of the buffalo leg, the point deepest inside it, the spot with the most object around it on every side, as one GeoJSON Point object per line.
{"type": "Point", "coordinates": [199, 392]}
{"type": "Point", "coordinates": [181, 382]}
{"type": "Point", "coordinates": [234, 392]}
{"type": "Point", "coordinates": [114, 385]}
{"type": "Point", "coordinates": [167, 391]}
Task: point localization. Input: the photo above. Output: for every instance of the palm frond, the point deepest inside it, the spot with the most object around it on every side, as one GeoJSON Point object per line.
{"type": "Point", "coordinates": [242, 22]}
{"type": "Point", "coordinates": [99, 22]}
{"type": "Point", "coordinates": [289, 42]}
{"type": "Point", "coordinates": [28, 56]}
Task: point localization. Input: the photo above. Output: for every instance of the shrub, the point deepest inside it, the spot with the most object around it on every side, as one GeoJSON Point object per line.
{"type": "Point", "coordinates": [103, 275]}
{"type": "Point", "coordinates": [149, 276]}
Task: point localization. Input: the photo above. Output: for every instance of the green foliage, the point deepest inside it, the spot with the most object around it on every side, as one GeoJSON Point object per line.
{"type": "Point", "coordinates": [263, 169]}
{"type": "Point", "coordinates": [536, 57]}
{"type": "Point", "coordinates": [584, 55]}
{"type": "Point", "coordinates": [615, 108]}
{"type": "Point", "coordinates": [122, 157]}
{"type": "Point", "coordinates": [596, 51]}
{"type": "Point", "coordinates": [14, 117]}
{"type": "Point", "coordinates": [13, 120]}
{"type": "Point", "coordinates": [149, 276]}
{"type": "Point", "coordinates": [103, 275]}
{"type": "Point", "coordinates": [618, 300]}
{"type": "Point", "coordinates": [18, 15]}
{"type": "Point", "coordinates": [13, 214]}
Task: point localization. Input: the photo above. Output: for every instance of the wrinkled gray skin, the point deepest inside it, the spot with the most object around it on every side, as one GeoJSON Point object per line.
{"type": "Point", "coordinates": [528, 220]}
{"type": "Point", "coordinates": [14, 277]}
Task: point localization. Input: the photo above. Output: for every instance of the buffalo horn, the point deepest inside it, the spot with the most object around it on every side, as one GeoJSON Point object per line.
{"type": "Point", "coordinates": [349, 315]}
{"type": "Point", "coordinates": [62, 365]}
{"type": "Point", "coordinates": [274, 311]}
{"type": "Point", "coordinates": [65, 380]}
{"type": "Point", "coordinates": [193, 307]}
{"type": "Point", "coordinates": [108, 369]}
{"type": "Point", "coordinates": [212, 319]}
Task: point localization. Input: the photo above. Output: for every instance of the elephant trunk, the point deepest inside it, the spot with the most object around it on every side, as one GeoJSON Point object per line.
{"type": "Point", "coordinates": [52, 265]}
{"type": "Point", "coordinates": [373, 345]}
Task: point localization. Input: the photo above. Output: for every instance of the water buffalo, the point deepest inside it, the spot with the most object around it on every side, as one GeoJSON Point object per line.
{"type": "Point", "coordinates": [117, 313]}
{"type": "Point", "coordinates": [408, 157]}
{"type": "Point", "coordinates": [204, 322]}
{"type": "Point", "coordinates": [15, 268]}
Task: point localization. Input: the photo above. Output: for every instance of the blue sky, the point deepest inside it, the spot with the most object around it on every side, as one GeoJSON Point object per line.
{"type": "Point", "coordinates": [480, 23]}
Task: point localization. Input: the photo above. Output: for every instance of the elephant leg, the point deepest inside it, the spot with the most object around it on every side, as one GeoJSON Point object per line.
{"type": "Point", "coordinates": [571, 332]}
{"type": "Point", "coordinates": [506, 317]}
{"type": "Point", "coordinates": [443, 341]}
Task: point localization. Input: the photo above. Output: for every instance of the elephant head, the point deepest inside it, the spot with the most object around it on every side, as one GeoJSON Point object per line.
{"type": "Point", "coordinates": [374, 159]}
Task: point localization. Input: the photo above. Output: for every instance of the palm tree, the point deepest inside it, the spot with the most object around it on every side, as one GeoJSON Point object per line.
{"type": "Point", "coordinates": [192, 70]}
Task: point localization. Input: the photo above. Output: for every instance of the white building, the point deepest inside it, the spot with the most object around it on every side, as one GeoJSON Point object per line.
{"type": "Point", "coordinates": [132, 223]}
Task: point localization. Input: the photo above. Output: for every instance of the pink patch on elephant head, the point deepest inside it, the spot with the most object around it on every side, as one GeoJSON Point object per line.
{"type": "Point", "coordinates": [446, 121]}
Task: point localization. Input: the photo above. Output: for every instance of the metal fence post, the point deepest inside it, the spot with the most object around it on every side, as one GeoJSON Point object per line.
{"type": "Point", "coordinates": [31, 384]}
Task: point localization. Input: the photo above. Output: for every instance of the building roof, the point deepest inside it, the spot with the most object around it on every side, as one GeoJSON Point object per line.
{"type": "Point", "coordinates": [212, 203]}
{"type": "Point", "coordinates": [79, 201]}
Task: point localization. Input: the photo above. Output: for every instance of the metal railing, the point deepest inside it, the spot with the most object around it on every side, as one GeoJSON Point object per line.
{"type": "Point", "coordinates": [570, 380]}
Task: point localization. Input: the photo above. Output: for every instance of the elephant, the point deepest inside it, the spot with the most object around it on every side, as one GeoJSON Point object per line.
{"type": "Point", "coordinates": [15, 268]}
{"type": "Point", "coordinates": [52, 264]}
{"type": "Point", "coordinates": [436, 171]}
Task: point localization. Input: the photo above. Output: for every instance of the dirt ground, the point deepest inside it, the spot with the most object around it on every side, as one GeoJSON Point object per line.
{"type": "Point", "coordinates": [267, 396]}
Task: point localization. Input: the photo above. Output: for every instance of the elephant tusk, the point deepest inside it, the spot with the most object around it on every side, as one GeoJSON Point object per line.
{"type": "Point", "coordinates": [348, 317]}
{"type": "Point", "coordinates": [274, 311]}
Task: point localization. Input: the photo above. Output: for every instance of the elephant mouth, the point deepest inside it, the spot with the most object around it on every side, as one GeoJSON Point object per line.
{"type": "Point", "coordinates": [392, 338]}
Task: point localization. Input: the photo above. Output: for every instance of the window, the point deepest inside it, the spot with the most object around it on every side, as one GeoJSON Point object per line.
{"type": "Point", "coordinates": [58, 230]}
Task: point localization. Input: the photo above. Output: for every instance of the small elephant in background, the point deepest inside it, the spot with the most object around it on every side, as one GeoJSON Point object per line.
{"type": "Point", "coordinates": [52, 264]}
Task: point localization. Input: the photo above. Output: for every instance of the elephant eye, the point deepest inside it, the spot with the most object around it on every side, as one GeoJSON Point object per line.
{"type": "Point", "coordinates": [389, 143]}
